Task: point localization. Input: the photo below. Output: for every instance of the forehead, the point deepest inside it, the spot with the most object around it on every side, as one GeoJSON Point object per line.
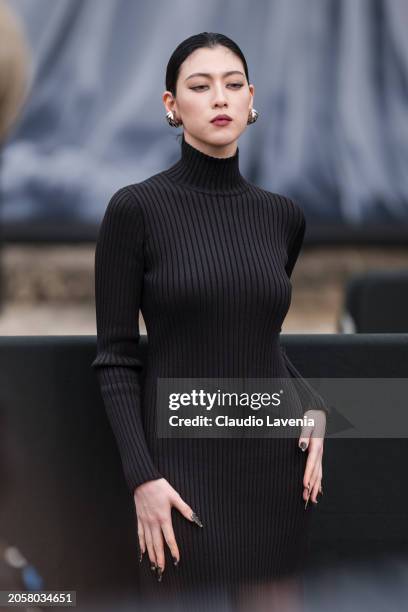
{"type": "Point", "coordinates": [215, 61]}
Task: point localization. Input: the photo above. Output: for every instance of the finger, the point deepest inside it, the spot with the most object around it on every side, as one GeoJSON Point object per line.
{"type": "Point", "coordinates": [315, 484]}
{"type": "Point", "coordinates": [308, 492]}
{"type": "Point", "coordinates": [321, 478]}
{"type": "Point", "coordinates": [158, 549]}
{"type": "Point", "coordinates": [312, 460]}
{"type": "Point", "coordinates": [185, 509]}
{"type": "Point", "coordinates": [141, 536]}
{"type": "Point", "coordinates": [150, 547]}
{"type": "Point", "coordinates": [169, 536]}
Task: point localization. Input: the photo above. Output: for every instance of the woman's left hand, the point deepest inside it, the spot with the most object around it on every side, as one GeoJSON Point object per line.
{"type": "Point", "coordinates": [312, 440]}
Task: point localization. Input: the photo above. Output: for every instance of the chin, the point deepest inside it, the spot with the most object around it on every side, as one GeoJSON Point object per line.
{"type": "Point", "coordinates": [216, 139]}
{"type": "Point", "coordinates": [223, 137]}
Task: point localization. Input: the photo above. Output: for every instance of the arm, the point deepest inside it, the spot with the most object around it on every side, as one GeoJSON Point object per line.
{"type": "Point", "coordinates": [310, 398]}
{"type": "Point", "coordinates": [118, 283]}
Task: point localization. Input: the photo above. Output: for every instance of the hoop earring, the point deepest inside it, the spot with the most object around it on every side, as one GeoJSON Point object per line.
{"type": "Point", "coordinates": [252, 116]}
{"type": "Point", "coordinates": [171, 121]}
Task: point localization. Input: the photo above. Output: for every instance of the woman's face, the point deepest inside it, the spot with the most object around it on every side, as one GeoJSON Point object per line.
{"type": "Point", "coordinates": [220, 88]}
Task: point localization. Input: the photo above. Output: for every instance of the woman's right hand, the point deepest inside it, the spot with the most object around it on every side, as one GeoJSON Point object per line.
{"type": "Point", "coordinates": [154, 500]}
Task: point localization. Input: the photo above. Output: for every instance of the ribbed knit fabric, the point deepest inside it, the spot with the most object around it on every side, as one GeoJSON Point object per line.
{"type": "Point", "coordinates": [207, 257]}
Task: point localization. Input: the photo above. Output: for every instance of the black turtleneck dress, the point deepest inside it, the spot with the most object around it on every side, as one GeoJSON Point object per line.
{"type": "Point", "coordinates": [207, 257]}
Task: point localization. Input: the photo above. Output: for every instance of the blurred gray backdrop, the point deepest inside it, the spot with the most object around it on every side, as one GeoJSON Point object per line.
{"type": "Point", "coordinates": [331, 86]}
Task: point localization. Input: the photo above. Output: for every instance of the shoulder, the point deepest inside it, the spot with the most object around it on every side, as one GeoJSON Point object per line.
{"type": "Point", "coordinates": [125, 202]}
{"type": "Point", "coordinates": [291, 212]}
{"type": "Point", "coordinates": [287, 204]}
{"type": "Point", "coordinates": [290, 206]}
{"type": "Point", "coordinates": [123, 214]}
{"type": "Point", "coordinates": [137, 200]}
{"type": "Point", "coordinates": [150, 191]}
{"type": "Point", "coordinates": [297, 219]}
{"type": "Point", "coordinates": [120, 201]}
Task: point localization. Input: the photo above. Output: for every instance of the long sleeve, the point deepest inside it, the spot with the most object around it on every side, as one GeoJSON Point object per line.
{"type": "Point", "coordinates": [311, 400]}
{"type": "Point", "coordinates": [119, 265]}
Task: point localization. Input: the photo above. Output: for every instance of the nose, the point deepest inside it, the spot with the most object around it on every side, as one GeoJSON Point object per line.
{"type": "Point", "coordinates": [220, 98]}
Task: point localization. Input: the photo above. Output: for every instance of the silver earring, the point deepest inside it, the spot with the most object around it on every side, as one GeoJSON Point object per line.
{"type": "Point", "coordinates": [170, 119]}
{"type": "Point", "coordinates": [252, 116]}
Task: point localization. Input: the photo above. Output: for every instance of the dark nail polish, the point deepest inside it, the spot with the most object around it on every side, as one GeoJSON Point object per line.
{"type": "Point", "coordinates": [303, 446]}
{"type": "Point", "coordinates": [195, 518]}
{"type": "Point", "coordinates": [307, 501]}
{"type": "Point", "coordinates": [140, 557]}
{"type": "Point", "coordinates": [152, 566]}
{"type": "Point", "coordinates": [159, 574]}
{"type": "Point", "coordinates": [175, 561]}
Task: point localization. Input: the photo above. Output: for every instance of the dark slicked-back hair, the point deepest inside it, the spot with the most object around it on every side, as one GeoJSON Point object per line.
{"type": "Point", "coordinates": [198, 41]}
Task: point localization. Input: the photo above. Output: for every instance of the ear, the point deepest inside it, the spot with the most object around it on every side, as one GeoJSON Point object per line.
{"type": "Point", "coordinates": [252, 92]}
{"type": "Point", "coordinates": [168, 101]}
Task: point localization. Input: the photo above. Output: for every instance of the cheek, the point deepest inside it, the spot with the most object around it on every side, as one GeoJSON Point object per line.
{"type": "Point", "coordinates": [243, 112]}
{"type": "Point", "coordinates": [193, 106]}
{"type": "Point", "coordinates": [244, 105]}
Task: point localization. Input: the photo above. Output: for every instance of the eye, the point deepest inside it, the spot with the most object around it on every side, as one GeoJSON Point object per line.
{"type": "Point", "coordinates": [234, 85]}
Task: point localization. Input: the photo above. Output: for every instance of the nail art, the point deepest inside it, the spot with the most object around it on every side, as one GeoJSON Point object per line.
{"type": "Point", "coordinates": [153, 566]}
{"type": "Point", "coordinates": [175, 561]}
{"type": "Point", "coordinates": [195, 518]}
{"type": "Point", "coordinates": [307, 501]}
{"type": "Point", "coordinates": [159, 574]}
{"type": "Point", "coordinates": [303, 446]}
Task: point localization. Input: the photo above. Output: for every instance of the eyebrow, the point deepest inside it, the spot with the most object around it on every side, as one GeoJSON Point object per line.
{"type": "Point", "coordinates": [206, 74]}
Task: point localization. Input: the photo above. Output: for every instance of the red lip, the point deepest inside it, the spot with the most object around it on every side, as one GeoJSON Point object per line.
{"type": "Point", "coordinates": [221, 117]}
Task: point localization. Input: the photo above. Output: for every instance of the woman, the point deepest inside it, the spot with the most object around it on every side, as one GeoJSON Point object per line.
{"type": "Point", "coordinates": [15, 63]}
{"type": "Point", "coordinates": [206, 256]}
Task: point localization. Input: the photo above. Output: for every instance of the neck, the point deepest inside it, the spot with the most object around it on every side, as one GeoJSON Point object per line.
{"type": "Point", "coordinates": [203, 172]}
{"type": "Point", "coordinates": [212, 150]}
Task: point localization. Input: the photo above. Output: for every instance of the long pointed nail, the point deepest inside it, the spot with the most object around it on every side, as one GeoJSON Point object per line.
{"type": "Point", "coordinates": [141, 556]}
{"type": "Point", "coordinates": [175, 561]}
{"type": "Point", "coordinates": [195, 518]}
{"type": "Point", "coordinates": [152, 566]}
{"type": "Point", "coordinates": [159, 574]}
{"type": "Point", "coordinates": [307, 501]}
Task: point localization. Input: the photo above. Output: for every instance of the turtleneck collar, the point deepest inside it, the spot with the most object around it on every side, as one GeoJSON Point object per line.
{"type": "Point", "coordinates": [206, 173]}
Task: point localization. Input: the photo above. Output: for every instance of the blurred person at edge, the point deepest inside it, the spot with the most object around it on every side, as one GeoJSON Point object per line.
{"type": "Point", "coordinates": [14, 65]}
